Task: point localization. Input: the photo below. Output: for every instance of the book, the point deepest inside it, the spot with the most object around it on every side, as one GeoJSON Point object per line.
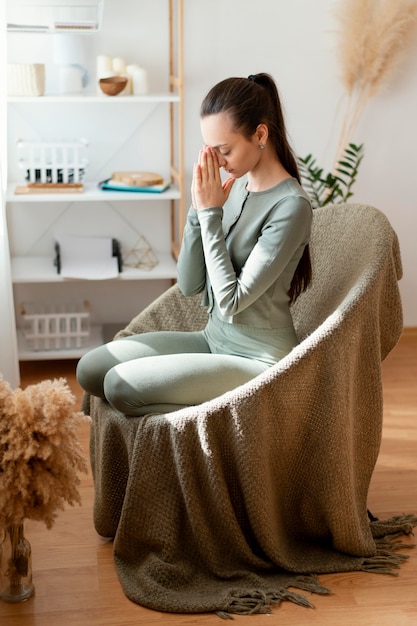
{"type": "Point", "coordinates": [113, 185]}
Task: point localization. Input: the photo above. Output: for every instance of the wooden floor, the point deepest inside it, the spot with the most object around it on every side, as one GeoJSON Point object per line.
{"type": "Point", "coordinates": [76, 583]}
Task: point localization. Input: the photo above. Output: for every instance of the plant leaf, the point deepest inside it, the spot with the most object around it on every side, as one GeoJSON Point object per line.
{"type": "Point", "coordinates": [325, 188]}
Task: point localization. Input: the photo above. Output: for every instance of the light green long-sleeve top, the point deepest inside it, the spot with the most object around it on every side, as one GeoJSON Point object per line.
{"type": "Point", "coordinates": [244, 254]}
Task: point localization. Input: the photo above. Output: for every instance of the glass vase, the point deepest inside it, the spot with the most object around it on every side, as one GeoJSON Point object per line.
{"type": "Point", "coordinates": [15, 565]}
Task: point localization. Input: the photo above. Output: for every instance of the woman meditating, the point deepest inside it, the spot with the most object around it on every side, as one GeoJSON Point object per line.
{"type": "Point", "coordinates": [245, 247]}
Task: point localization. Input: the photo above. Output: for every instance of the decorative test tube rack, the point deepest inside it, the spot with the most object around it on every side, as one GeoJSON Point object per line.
{"type": "Point", "coordinates": [53, 162]}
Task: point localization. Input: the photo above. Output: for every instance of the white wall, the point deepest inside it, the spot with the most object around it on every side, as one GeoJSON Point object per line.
{"type": "Point", "coordinates": [295, 41]}
{"type": "Point", "coordinates": [8, 352]}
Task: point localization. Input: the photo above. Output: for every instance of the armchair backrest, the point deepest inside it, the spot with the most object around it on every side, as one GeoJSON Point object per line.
{"type": "Point", "coordinates": [350, 244]}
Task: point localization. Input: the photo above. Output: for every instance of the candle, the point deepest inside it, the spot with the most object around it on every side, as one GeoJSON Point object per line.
{"type": "Point", "coordinates": [119, 65]}
{"type": "Point", "coordinates": [104, 66]}
{"type": "Point", "coordinates": [139, 79]}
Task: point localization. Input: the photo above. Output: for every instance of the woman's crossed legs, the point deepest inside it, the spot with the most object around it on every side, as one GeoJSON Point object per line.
{"type": "Point", "coordinates": [161, 372]}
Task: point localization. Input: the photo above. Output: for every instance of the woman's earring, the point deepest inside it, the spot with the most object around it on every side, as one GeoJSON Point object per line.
{"type": "Point", "coordinates": [262, 146]}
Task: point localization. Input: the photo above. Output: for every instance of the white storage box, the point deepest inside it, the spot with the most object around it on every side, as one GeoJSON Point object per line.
{"type": "Point", "coordinates": [53, 162]}
{"type": "Point", "coordinates": [54, 16]}
{"type": "Point", "coordinates": [55, 327]}
{"type": "Point", "coordinates": [25, 79]}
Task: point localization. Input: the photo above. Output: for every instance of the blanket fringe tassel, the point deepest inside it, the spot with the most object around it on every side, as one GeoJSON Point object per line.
{"type": "Point", "coordinates": [385, 534]}
{"type": "Point", "coordinates": [398, 525]}
{"type": "Point", "coordinates": [259, 601]}
{"type": "Point", "coordinates": [385, 561]}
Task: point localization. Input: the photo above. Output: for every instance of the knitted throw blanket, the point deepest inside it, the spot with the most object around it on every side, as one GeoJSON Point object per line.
{"type": "Point", "coordinates": [224, 506]}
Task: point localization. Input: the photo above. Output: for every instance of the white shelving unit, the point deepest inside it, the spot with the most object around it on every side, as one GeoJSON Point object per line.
{"type": "Point", "coordinates": [32, 270]}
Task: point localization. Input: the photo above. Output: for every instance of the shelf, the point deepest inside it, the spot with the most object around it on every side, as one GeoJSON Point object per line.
{"type": "Point", "coordinates": [95, 98]}
{"type": "Point", "coordinates": [40, 269]}
{"type": "Point", "coordinates": [26, 354]}
{"type": "Point", "coordinates": [91, 193]}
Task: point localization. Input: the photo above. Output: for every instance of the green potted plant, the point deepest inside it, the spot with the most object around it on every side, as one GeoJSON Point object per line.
{"type": "Point", "coordinates": [331, 187]}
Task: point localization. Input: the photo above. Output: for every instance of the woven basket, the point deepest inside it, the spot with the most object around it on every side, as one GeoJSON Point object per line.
{"type": "Point", "coordinates": [25, 79]}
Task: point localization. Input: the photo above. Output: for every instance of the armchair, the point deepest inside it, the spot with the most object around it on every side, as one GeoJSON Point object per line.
{"type": "Point", "coordinates": [225, 505]}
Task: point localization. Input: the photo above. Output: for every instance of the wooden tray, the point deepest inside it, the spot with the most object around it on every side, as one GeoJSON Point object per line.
{"type": "Point", "coordinates": [49, 188]}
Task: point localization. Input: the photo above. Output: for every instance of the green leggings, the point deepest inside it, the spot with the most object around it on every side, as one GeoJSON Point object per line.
{"type": "Point", "coordinates": [162, 372]}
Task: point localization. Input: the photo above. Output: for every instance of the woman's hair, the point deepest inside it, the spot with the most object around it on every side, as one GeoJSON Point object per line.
{"type": "Point", "coordinates": [249, 102]}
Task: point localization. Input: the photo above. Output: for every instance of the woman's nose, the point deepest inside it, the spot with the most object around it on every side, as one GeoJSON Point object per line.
{"type": "Point", "coordinates": [221, 159]}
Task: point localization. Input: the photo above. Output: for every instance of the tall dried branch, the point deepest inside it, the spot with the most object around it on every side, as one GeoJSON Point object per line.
{"type": "Point", "coordinates": [373, 37]}
{"type": "Point", "coordinates": [393, 28]}
{"type": "Point", "coordinates": [355, 18]}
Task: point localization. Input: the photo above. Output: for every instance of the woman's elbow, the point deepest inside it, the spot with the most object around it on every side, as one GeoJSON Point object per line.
{"type": "Point", "coordinates": [188, 289]}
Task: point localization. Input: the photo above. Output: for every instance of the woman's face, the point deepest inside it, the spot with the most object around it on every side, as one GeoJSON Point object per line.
{"type": "Point", "coordinates": [237, 155]}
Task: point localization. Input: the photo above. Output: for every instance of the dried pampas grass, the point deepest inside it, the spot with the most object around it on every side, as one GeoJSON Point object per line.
{"type": "Point", "coordinates": [355, 17]}
{"type": "Point", "coordinates": [373, 39]}
{"type": "Point", "coordinates": [40, 454]}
